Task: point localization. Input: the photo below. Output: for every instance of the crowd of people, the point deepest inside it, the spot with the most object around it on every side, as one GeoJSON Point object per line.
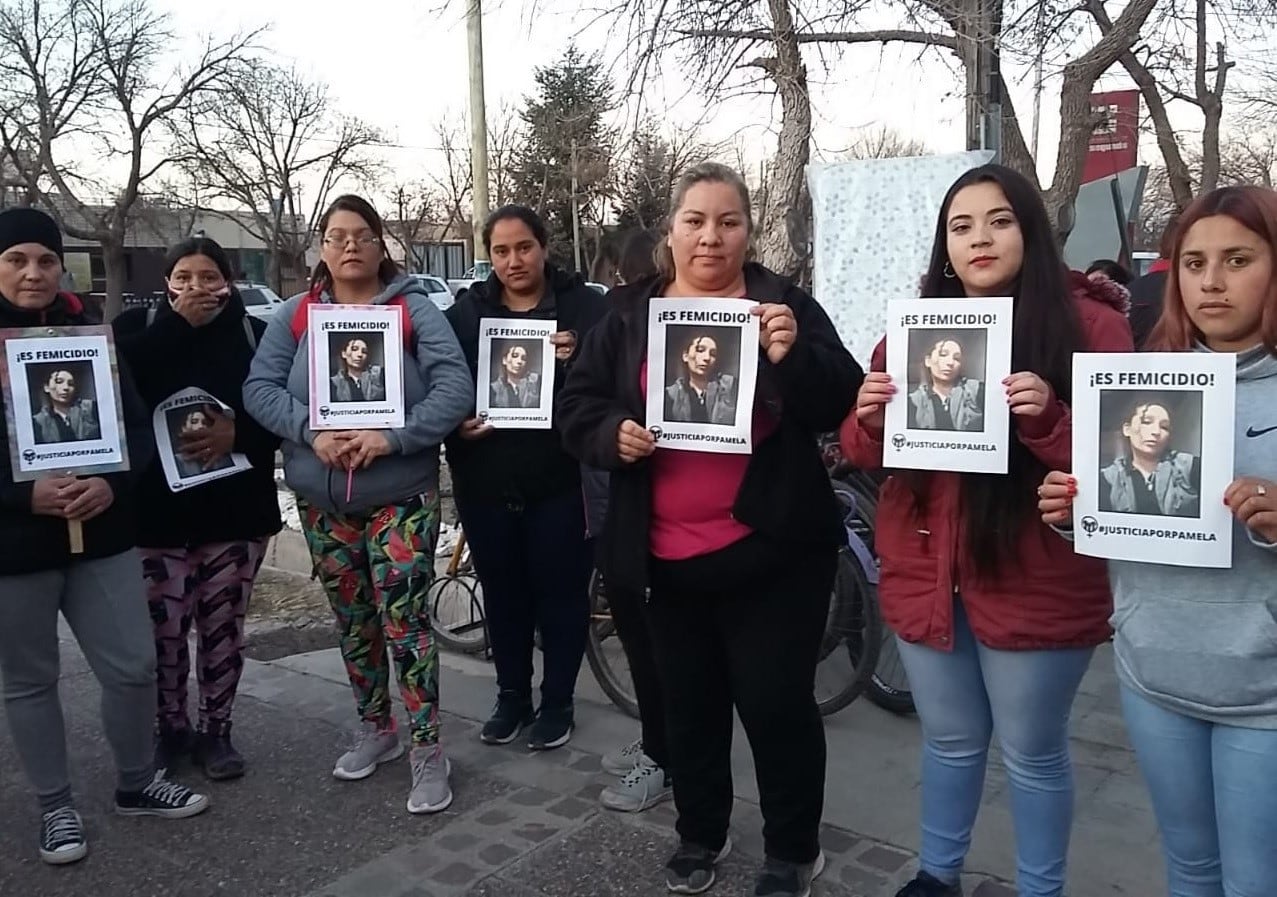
{"type": "Point", "coordinates": [719, 567]}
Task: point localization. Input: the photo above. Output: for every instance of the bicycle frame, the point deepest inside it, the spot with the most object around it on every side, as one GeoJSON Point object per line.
{"type": "Point", "coordinates": [857, 545]}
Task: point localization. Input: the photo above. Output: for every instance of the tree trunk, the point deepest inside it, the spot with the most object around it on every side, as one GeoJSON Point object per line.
{"type": "Point", "coordinates": [783, 226]}
{"type": "Point", "coordinates": [274, 272]}
{"type": "Point", "coordinates": [115, 269]}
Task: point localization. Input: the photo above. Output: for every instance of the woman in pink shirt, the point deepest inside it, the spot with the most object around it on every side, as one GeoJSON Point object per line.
{"type": "Point", "coordinates": [734, 553]}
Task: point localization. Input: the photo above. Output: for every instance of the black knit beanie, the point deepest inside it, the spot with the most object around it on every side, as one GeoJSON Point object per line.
{"type": "Point", "coordinates": [27, 225]}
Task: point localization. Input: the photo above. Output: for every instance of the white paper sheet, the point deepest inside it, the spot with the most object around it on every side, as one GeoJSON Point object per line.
{"type": "Point", "coordinates": [186, 411]}
{"type": "Point", "coordinates": [356, 367]}
{"type": "Point", "coordinates": [515, 386]}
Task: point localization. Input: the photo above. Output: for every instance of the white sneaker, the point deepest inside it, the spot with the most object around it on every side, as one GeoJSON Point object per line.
{"type": "Point", "coordinates": [372, 747]}
{"type": "Point", "coordinates": [621, 761]}
{"type": "Point", "coordinates": [645, 786]}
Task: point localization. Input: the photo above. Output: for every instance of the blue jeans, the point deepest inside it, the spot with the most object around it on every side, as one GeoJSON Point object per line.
{"type": "Point", "coordinates": [961, 698]}
{"type": "Point", "coordinates": [1214, 791]}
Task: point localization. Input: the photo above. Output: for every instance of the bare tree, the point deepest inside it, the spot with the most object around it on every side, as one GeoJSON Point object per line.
{"type": "Point", "coordinates": [414, 206]}
{"type": "Point", "coordinates": [92, 73]}
{"type": "Point", "coordinates": [271, 143]}
{"type": "Point", "coordinates": [885, 143]}
{"type": "Point", "coordinates": [453, 177]}
{"type": "Point", "coordinates": [505, 146]}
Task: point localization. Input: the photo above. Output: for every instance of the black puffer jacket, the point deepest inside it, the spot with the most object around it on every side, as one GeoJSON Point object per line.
{"type": "Point", "coordinates": [520, 465]}
{"type": "Point", "coordinates": [32, 543]}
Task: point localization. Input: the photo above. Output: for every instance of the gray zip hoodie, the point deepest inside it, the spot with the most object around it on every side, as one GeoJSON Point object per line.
{"type": "Point", "coordinates": [1203, 642]}
{"type": "Point", "coordinates": [437, 391]}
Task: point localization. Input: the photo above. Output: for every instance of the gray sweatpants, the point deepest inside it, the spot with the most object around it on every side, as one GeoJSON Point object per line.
{"type": "Point", "coordinates": [104, 602]}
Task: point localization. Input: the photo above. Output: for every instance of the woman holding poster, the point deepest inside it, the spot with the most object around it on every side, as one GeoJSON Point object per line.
{"type": "Point", "coordinates": [1196, 647]}
{"type": "Point", "coordinates": [369, 499]}
{"type": "Point", "coordinates": [737, 551]}
{"type": "Point", "coordinates": [98, 590]}
{"type": "Point", "coordinates": [996, 619]}
{"type": "Point", "coordinates": [518, 491]}
{"type": "Point", "coordinates": [190, 356]}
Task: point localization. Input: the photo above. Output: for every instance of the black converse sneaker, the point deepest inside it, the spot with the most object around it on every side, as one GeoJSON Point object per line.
{"type": "Point", "coordinates": [163, 798]}
{"type": "Point", "coordinates": [62, 837]}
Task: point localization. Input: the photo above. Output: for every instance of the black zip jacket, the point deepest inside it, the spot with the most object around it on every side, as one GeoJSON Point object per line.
{"type": "Point", "coordinates": [171, 355]}
{"type": "Point", "coordinates": [34, 543]}
{"type": "Point", "coordinates": [785, 494]}
{"type": "Point", "coordinates": [520, 466]}
{"type": "Point", "coordinates": [1147, 294]}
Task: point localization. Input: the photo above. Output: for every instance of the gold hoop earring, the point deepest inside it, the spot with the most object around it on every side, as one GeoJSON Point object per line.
{"type": "Point", "coordinates": [948, 271]}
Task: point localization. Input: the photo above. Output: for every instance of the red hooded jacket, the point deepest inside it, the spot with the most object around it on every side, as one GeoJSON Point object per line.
{"type": "Point", "coordinates": [1053, 598]}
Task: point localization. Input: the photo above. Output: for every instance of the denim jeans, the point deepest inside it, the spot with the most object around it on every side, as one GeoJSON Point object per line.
{"type": "Point", "coordinates": [962, 696]}
{"type": "Point", "coordinates": [1214, 791]}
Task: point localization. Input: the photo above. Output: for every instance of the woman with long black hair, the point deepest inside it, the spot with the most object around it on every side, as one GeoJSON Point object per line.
{"type": "Point", "coordinates": [997, 618]}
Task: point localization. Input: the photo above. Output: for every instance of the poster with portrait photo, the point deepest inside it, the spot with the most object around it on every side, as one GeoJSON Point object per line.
{"type": "Point", "coordinates": [702, 371]}
{"type": "Point", "coordinates": [182, 415]}
{"type": "Point", "coordinates": [62, 402]}
{"type": "Point", "coordinates": [1153, 456]}
{"type": "Point", "coordinates": [356, 367]}
{"type": "Point", "coordinates": [948, 358]}
{"type": "Point", "coordinates": [515, 386]}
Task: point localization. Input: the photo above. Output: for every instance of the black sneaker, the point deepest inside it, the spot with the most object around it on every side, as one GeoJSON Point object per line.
{"type": "Point", "coordinates": [782, 879]}
{"type": "Point", "coordinates": [217, 756]}
{"type": "Point", "coordinates": [62, 837]}
{"type": "Point", "coordinates": [552, 728]}
{"type": "Point", "coordinates": [172, 747]}
{"type": "Point", "coordinates": [691, 869]}
{"type": "Point", "coordinates": [512, 713]}
{"type": "Point", "coordinates": [162, 798]}
{"type": "Point", "coordinates": [929, 886]}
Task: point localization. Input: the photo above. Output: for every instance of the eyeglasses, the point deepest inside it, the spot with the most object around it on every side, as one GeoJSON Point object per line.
{"type": "Point", "coordinates": [338, 238]}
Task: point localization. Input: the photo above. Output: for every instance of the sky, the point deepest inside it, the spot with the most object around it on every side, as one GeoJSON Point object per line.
{"type": "Point", "coordinates": [404, 69]}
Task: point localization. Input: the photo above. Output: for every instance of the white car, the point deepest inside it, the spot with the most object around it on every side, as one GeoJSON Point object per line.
{"type": "Point", "coordinates": [440, 295]}
{"type": "Point", "coordinates": [260, 301]}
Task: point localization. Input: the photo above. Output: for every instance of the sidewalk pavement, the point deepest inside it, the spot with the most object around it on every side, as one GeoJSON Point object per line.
{"type": "Point", "coordinates": [523, 824]}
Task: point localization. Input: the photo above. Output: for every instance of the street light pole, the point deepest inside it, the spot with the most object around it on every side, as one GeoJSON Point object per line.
{"type": "Point", "coordinates": [478, 134]}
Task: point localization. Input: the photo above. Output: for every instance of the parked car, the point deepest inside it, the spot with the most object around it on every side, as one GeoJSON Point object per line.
{"type": "Point", "coordinates": [597, 287]}
{"type": "Point", "coordinates": [440, 294]}
{"type": "Point", "coordinates": [260, 300]}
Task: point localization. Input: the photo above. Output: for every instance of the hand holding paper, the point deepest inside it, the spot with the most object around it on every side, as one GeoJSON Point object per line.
{"type": "Point", "coordinates": [1055, 498]}
{"type": "Point", "coordinates": [777, 329]}
{"type": "Point", "coordinates": [1027, 393]}
{"type": "Point", "coordinates": [1254, 502]}
{"type": "Point", "coordinates": [633, 442]}
{"type": "Point", "coordinates": [875, 392]}
{"type": "Point", "coordinates": [474, 428]}
{"type": "Point", "coordinates": [564, 343]}
{"type": "Point", "coordinates": [211, 443]}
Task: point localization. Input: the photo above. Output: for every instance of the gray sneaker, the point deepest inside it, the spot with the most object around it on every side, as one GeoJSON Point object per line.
{"type": "Point", "coordinates": [373, 746]}
{"type": "Point", "coordinates": [622, 760]}
{"type": "Point", "coordinates": [643, 787]}
{"type": "Point", "coordinates": [431, 792]}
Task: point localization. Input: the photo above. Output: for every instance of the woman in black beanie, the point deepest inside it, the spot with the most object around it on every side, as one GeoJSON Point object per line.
{"type": "Point", "coordinates": [99, 590]}
{"type": "Point", "coordinates": [199, 564]}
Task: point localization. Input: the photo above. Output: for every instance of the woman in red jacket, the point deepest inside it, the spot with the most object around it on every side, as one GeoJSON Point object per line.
{"type": "Point", "coordinates": [997, 620]}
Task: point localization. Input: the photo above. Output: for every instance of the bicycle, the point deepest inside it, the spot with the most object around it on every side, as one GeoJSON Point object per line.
{"type": "Point", "coordinates": [456, 606]}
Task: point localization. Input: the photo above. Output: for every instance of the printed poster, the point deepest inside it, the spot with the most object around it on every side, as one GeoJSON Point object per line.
{"type": "Point", "coordinates": [356, 367]}
{"type": "Point", "coordinates": [702, 371]}
{"type": "Point", "coordinates": [1153, 456]}
{"type": "Point", "coordinates": [183, 415]}
{"type": "Point", "coordinates": [515, 385]}
{"type": "Point", "coordinates": [62, 402]}
{"type": "Point", "coordinates": [948, 358]}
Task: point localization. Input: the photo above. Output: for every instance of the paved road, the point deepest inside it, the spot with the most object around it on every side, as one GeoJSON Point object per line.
{"type": "Point", "coordinates": [522, 825]}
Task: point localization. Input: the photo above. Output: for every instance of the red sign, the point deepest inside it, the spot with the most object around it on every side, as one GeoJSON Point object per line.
{"type": "Point", "coordinates": [1114, 144]}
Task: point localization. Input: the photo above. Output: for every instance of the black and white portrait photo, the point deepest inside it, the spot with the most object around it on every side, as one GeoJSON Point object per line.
{"type": "Point", "coordinates": [357, 366]}
{"type": "Point", "coordinates": [64, 402]}
{"type": "Point", "coordinates": [185, 423]}
{"type": "Point", "coordinates": [1150, 452]}
{"type": "Point", "coordinates": [702, 373]}
{"type": "Point", "coordinates": [947, 379]}
{"type": "Point", "coordinates": [516, 374]}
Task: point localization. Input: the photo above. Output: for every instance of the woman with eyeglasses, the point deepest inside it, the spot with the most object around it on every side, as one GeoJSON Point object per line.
{"type": "Point", "coordinates": [372, 534]}
{"type": "Point", "coordinates": [200, 567]}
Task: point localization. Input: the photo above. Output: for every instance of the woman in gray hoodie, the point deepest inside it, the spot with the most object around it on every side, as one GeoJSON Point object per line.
{"type": "Point", "coordinates": [369, 499]}
{"type": "Point", "coordinates": [1197, 648]}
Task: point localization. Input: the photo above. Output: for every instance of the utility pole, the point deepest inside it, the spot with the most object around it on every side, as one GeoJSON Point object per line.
{"type": "Point", "coordinates": [576, 214]}
{"type": "Point", "coordinates": [478, 136]}
{"type": "Point", "coordinates": [1040, 31]}
{"type": "Point", "coordinates": [980, 51]}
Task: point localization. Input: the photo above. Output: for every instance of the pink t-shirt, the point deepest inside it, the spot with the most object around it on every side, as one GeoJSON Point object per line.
{"type": "Point", "coordinates": [693, 494]}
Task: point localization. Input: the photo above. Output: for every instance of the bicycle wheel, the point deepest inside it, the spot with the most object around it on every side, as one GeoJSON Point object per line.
{"type": "Point", "coordinates": [889, 686]}
{"type": "Point", "coordinates": [456, 613]}
{"type": "Point", "coordinates": [853, 635]}
{"type": "Point", "coordinates": [605, 653]}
